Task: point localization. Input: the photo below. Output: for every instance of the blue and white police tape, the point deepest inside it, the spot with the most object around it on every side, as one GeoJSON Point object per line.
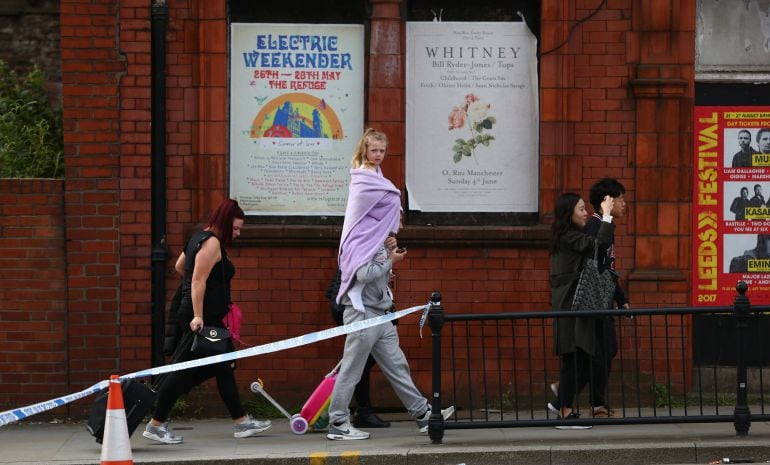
{"type": "Point", "coordinates": [11, 416]}
{"type": "Point", "coordinates": [424, 316]}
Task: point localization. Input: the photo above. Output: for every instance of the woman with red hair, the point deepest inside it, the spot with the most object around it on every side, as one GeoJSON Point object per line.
{"type": "Point", "coordinates": [206, 273]}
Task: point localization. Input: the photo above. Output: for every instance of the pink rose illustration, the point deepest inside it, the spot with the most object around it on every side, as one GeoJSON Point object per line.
{"type": "Point", "coordinates": [456, 118]}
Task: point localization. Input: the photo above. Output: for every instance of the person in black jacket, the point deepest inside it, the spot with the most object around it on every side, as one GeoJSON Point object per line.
{"type": "Point", "coordinates": [364, 416]}
{"type": "Point", "coordinates": [606, 337]}
{"type": "Point", "coordinates": [173, 332]}
{"type": "Point", "coordinates": [574, 339]}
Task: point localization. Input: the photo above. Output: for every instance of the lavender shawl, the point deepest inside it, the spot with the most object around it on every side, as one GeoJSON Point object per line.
{"type": "Point", "coordinates": [372, 212]}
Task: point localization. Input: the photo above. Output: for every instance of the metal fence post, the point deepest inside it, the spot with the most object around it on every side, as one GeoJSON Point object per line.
{"type": "Point", "coordinates": [436, 322]}
{"type": "Point", "coordinates": [742, 421]}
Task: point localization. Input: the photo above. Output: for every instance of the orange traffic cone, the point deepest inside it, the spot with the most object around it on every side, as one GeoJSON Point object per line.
{"type": "Point", "coordinates": [116, 447]}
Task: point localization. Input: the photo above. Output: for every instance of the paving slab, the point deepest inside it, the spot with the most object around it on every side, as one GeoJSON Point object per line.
{"type": "Point", "coordinates": [211, 442]}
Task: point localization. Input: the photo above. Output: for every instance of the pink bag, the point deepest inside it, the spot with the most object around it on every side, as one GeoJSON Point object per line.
{"type": "Point", "coordinates": [319, 400]}
{"type": "Point", "coordinates": [232, 321]}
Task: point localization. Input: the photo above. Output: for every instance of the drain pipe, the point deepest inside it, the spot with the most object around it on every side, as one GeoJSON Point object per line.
{"type": "Point", "coordinates": [159, 20]}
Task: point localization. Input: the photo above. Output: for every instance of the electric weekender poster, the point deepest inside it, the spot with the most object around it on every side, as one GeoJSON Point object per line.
{"type": "Point", "coordinates": [471, 117]}
{"type": "Point", "coordinates": [731, 213]}
{"type": "Point", "coordinates": [296, 114]}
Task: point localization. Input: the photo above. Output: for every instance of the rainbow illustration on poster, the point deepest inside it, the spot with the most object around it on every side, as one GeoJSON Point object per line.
{"type": "Point", "coordinates": [297, 115]}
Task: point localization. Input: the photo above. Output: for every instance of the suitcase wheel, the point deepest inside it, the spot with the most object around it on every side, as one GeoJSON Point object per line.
{"type": "Point", "coordinates": [298, 424]}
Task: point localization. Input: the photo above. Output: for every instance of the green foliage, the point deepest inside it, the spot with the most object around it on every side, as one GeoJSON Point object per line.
{"type": "Point", "coordinates": [31, 141]}
{"type": "Point", "coordinates": [180, 409]}
{"type": "Point", "coordinates": [466, 148]}
{"type": "Point", "coordinates": [663, 396]}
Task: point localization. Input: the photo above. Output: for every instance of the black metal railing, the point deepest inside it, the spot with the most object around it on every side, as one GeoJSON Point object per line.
{"type": "Point", "coordinates": [673, 365]}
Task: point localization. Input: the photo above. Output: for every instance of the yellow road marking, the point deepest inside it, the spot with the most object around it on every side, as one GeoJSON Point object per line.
{"type": "Point", "coordinates": [350, 457]}
{"type": "Point", "coordinates": [318, 458]}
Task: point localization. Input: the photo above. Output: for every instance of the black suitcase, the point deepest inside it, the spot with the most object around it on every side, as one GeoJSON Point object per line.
{"type": "Point", "coordinates": [137, 399]}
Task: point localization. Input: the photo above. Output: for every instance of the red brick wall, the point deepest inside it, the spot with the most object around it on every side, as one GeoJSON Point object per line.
{"type": "Point", "coordinates": [91, 68]}
{"type": "Point", "coordinates": [615, 100]}
{"type": "Point", "coordinates": [33, 334]}
{"type": "Point", "coordinates": [133, 86]}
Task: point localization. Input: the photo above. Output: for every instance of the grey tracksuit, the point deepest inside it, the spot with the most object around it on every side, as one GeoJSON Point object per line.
{"type": "Point", "coordinates": [381, 341]}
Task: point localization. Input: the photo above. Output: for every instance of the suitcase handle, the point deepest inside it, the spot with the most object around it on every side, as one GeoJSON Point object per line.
{"type": "Point", "coordinates": [334, 371]}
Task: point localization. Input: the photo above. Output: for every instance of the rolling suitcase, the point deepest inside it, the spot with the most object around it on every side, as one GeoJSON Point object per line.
{"type": "Point", "coordinates": [137, 398]}
{"type": "Point", "coordinates": [318, 403]}
{"type": "Point", "coordinates": [314, 415]}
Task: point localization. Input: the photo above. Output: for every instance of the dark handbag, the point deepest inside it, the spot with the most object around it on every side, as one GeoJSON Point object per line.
{"type": "Point", "coordinates": [331, 294]}
{"type": "Point", "coordinates": [338, 311]}
{"type": "Point", "coordinates": [594, 289]}
{"type": "Point", "coordinates": [211, 340]}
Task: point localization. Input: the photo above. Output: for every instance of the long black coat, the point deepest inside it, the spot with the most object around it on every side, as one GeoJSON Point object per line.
{"type": "Point", "coordinates": [575, 246]}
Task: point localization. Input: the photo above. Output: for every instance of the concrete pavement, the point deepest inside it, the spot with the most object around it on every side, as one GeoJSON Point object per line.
{"type": "Point", "coordinates": [211, 442]}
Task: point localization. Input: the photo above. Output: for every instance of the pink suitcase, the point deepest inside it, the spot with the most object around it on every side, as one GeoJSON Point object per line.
{"type": "Point", "coordinates": [317, 404]}
{"type": "Point", "coordinates": [314, 412]}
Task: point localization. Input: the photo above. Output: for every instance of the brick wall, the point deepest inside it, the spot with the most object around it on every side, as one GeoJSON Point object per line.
{"type": "Point", "coordinates": [599, 95]}
{"type": "Point", "coordinates": [134, 236]}
{"type": "Point", "coordinates": [33, 333]}
{"type": "Point", "coordinates": [589, 129]}
{"type": "Point", "coordinates": [91, 68]}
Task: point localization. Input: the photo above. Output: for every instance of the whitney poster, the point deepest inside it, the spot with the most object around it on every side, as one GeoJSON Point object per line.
{"type": "Point", "coordinates": [731, 213]}
{"type": "Point", "coordinates": [471, 117]}
{"type": "Point", "coordinates": [296, 114]}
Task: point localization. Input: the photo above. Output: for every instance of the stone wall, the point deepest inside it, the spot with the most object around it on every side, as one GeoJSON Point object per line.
{"type": "Point", "coordinates": [29, 36]}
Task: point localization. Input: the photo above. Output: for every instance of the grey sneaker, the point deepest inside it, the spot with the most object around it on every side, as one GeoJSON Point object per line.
{"type": "Point", "coordinates": [422, 421]}
{"type": "Point", "coordinates": [161, 434]}
{"type": "Point", "coordinates": [250, 427]}
{"type": "Point", "coordinates": [346, 432]}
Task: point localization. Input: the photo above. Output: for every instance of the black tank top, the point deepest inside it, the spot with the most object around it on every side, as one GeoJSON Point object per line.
{"type": "Point", "coordinates": [216, 300]}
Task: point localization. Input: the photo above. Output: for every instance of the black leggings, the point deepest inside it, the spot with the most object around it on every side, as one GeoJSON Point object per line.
{"type": "Point", "coordinates": [178, 383]}
{"type": "Point", "coordinates": [601, 363]}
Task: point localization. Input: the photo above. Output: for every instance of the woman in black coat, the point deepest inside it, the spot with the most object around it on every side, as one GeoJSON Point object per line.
{"type": "Point", "coordinates": [574, 338]}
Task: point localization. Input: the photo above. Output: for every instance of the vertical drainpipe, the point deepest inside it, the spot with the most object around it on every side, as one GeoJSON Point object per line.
{"type": "Point", "coordinates": [159, 19]}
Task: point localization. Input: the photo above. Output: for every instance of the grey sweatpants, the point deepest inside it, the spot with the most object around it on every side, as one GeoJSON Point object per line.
{"type": "Point", "coordinates": [382, 342]}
